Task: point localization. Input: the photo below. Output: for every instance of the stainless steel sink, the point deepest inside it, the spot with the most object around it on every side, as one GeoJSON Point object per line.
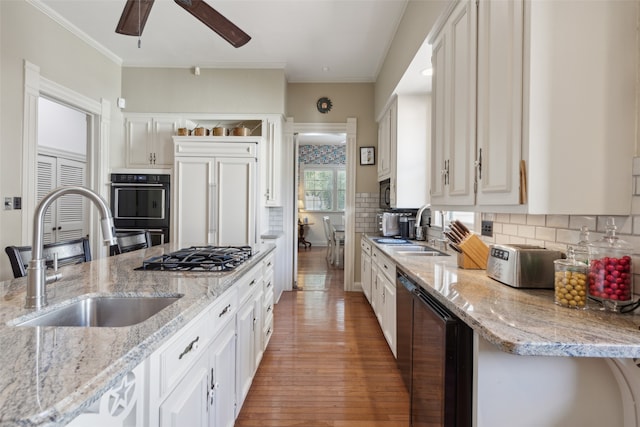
{"type": "Point", "coordinates": [103, 311]}
{"type": "Point", "coordinates": [419, 250]}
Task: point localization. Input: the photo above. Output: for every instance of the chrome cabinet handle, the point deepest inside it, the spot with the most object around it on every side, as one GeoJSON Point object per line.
{"type": "Point", "coordinates": [225, 310]}
{"type": "Point", "coordinates": [188, 348]}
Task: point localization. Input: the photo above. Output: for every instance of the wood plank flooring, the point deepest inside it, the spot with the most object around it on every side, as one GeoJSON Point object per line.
{"type": "Point", "coordinates": [328, 364]}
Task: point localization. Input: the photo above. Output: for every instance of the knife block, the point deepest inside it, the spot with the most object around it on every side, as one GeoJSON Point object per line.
{"type": "Point", "coordinates": [474, 253]}
{"type": "Point", "coordinates": [467, 263]}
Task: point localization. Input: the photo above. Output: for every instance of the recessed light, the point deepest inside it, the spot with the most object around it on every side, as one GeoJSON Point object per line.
{"type": "Point", "coordinates": [427, 72]}
{"type": "Point", "coordinates": [325, 68]}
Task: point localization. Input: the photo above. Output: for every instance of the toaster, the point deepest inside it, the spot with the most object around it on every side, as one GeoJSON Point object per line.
{"type": "Point", "coordinates": [522, 266]}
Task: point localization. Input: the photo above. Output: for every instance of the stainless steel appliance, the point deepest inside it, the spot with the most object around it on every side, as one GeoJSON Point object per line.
{"type": "Point", "coordinates": [522, 266]}
{"type": "Point", "coordinates": [438, 358]}
{"type": "Point", "coordinates": [390, 224]}
{"type": "Point", "coordinates": [385, 194]}
{"type": "Point", "coordinates": [200, 258]}
{"type": "Point", "coordinates": [142, 202]}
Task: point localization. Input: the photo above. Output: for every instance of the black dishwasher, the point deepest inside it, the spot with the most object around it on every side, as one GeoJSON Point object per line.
{"type": "Point", "coordinates": [441, 362]}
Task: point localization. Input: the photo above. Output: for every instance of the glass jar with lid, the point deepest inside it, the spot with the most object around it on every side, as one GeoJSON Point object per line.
{"type": "Point", "coordinates": [570, 282]}
{"type": "Point", "coordinates": [611, 270]}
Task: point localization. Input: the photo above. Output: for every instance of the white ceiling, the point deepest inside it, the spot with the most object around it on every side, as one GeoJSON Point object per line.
{"type": "Point", "coordinates": [312, 40]}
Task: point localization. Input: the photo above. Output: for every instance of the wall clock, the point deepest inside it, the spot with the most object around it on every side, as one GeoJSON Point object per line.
{"type": "Point", "coordinates": [324, 105]}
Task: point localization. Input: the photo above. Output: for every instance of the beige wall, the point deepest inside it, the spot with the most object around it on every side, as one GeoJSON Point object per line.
{"type": "Point", "coordinates": [179, 90]}
{"type": "Point", "coordinates": [27, 34]}
{"type": "Point", "coordinates": [349, 100]}
{"type": "Point", "coordinates": [416, 23]}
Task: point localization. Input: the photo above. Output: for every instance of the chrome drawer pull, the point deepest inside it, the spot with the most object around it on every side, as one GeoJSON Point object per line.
{"type": "Point", "coordinates": [188, 348]}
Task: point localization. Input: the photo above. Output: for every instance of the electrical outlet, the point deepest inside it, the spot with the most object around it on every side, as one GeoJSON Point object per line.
{"type": "Point", "coordinates": [8, 203]}
{"type": "Point", "coordinates": [17, 203]}
{"type": "Point", "coordinates": [487, 228]}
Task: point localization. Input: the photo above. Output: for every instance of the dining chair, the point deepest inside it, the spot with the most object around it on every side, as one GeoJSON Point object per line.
{"type": "Point", "coordinates": [69, 252]}
{"type": "Point", "coordinates": [335, 243]}
{"type": "Point", "coordinates": [131, 241]}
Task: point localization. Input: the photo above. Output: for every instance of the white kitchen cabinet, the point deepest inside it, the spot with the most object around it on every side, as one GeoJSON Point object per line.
{"type": "Point", "coordinates": [383, 295]}
{"type": "Point", "coordinates": [149, 142]}
{"type": "Point", "coordinates": [222, 386]}
{"type": "Point", "coordinates": [403, 145]}
{"type": "Point", "coordinates": [268, 301]}
{"type": "Point", "coordinates": [376, 294]}
{"type": "Point", "coordinates": [272, 161]}
{"type": "Point", "coordinates": [278, 268]}
{"type": "Point", "coordinates": [454, 113]}
{"type": "Point", "coordinates": [386, 126]}
{"type": "Point", "coordinates": [187, 405]}
{"type": "Point", "coordinates": [389, 315]}
{"type": "Point", "coordinates": [365, 268]}
{"type": "Point", "coordinates": [555, 134]}
{"type": "Point", "coordinates": [214, 193]}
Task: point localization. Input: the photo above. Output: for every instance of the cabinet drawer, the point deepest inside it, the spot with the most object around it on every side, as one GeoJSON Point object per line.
{"type": "Point", "coordinates": [217, 149]}
{"type": "Point", "coordinates": [385, 265]}
{"type": "Point", "coordinates": [181, 353]}
{"type": "Point", "coordinates": [249, 283]}
{"type": "Point", "coordinates": [267, 302]}
{"type": "Point", "coordinates": [365, 246]}
{"type": "Point", "coordinates": [223, 311]}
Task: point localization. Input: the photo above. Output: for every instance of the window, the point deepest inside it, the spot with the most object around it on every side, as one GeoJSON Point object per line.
{"type": "Point", "coordinates": [467, 218]}
{"type": "Point", "coordinates": [324, 188]}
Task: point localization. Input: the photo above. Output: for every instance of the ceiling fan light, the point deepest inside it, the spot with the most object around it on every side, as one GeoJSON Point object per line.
{"type": "Point", "coordinates": [134, 17]}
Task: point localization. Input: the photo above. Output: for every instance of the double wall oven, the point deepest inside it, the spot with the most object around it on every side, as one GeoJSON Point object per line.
{"type": "Point", "coordinates": [142, 202]}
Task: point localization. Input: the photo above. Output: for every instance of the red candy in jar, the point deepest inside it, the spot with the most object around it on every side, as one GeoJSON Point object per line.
{"type": "Point", "coordinates": [610, 277]}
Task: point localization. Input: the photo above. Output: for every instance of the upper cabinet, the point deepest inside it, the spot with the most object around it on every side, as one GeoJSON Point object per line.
{"type": "Point", "coordinates": [555, 128]}
{"type": "Point", "coordinates": [271, 154]}
{"type": "Point", "coordinates": [454, 113]}
{"type": "Point", "coordinates": [149, 141]}
{"type": "Point", "coordinates": [403, 147]}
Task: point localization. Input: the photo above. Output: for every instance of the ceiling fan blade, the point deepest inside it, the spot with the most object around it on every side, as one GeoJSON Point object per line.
{"type": "Point", "coordinates": [214, 20]}
{"type": "Point", "coordinates": [134, 17]}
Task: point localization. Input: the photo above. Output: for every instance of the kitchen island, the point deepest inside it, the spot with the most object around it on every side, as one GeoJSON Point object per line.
{"type": "Point", "coordinates": [535, 363]}
{"type": "Point", "coordinates": [50, 375]}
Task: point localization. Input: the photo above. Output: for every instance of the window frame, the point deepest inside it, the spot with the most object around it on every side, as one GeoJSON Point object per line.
{"type": "Point", "coordinates": [334, 191]}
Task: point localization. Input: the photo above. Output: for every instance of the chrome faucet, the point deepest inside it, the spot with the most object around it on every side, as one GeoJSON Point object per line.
{"type": "Point", "coordinates": [419, 232]}
{"type": "Point", "coordinates": [36, 272]}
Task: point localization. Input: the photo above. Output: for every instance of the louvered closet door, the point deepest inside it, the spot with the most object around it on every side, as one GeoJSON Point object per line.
{"type": "Point", "coordinates": [66, 218]}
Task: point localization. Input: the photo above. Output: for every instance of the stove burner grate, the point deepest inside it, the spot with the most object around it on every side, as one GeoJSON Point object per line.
{"type": "Point", "coordinates": [200, 258]}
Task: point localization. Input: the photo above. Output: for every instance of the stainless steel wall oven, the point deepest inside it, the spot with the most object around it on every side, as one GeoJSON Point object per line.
{"type": "Point", "coordinates": [142, 202]}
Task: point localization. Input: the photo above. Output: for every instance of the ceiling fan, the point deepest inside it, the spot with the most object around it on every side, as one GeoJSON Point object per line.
{"type": "Point", "coordinates": [135, 14]}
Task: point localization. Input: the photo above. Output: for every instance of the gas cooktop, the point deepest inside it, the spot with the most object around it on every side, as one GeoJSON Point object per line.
{"type": "Point", "coordinates": [200, 258]}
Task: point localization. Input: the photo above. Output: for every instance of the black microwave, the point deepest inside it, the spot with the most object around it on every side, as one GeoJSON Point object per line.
{"type": "Point", "coordinates": [385, 194]}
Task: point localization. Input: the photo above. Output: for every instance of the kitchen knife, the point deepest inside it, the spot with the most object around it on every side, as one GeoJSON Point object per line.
{"type": "Point", "coordinates": [452, 238]}
{"type": "Point", "coordinates": [461, 226]}
{"type": "Point", "coordinates": [456, 233]}
{"type": "Point", "coordinates": [455, 247]}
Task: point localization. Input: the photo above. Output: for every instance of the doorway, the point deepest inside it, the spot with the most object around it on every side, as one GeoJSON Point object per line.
{"type": "Point", "coordinates": [347, 129]}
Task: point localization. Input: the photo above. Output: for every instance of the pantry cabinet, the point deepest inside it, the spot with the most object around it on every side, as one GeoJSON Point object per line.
{"type": "Point", "coordinates": [555, 134]}
{"type": "Point", "coordinates": [149, 142]}
{"type": "Point", "coordinates": [272, 161]}
{"type": "Point", "coordinates": [214, 193]}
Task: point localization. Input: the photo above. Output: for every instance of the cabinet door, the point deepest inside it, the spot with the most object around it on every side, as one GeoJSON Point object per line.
{"type": "Point", "coordinates": [162, 146]}
{"type": "Point", "coordinates": [384, 135]}
{"type": "Point", "coordinates": [500, 67]}
{"type": "Point", "coordinates": [187, 403]}
{"type": "Point", "coordinates": [389, 316]}
{"type": "Point", "coordinates": [374, 284]}
{"type": "Point", "coordinates": [258, 326]}
{"type": "Point", "coordinates": [235, 221]}
{"type": "Point", "coordinates": [193, 202]}
{"type": "Point", "coordinates": [272, 163]}
{"type": "Point", "coordinates": [223, 385]}
{"type": "Point", "coordinates": [139, 137]}
{"type": "Point", "coordinates": [245, 356]}
{"type": "Point", "coordinates": [454, 95]}
{"type": "Point", "coordinates": [365, 275]}
{"type": "Point", "coordinates": [379, 296]}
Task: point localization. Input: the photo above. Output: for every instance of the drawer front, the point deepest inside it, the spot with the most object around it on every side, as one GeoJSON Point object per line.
{"type": "Point", "coordinates": [268, 330]}
{"type": "Point", "coordinates": [267, 302]}
{"type": "Point", "coordinates": [387, 266]}
{"type": "Point", "coordinates": [249, 283]}
{"type": "Point", "coordinates": [182, 353]}
{"type": "Point", "coordinates": [223, 311]}
{"type": "Point", "coordinates": [365, 246]}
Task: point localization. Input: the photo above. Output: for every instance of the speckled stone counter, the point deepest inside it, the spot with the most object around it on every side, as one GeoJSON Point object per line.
{"type": "Point", "coordinates": [520, 321]}
{"type": "Point", "coordinates": [49, 375]}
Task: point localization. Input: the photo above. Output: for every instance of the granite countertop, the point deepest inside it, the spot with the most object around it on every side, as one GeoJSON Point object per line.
{"type": "Point", "coordinates": [520, 321]}
{"type": "Point", "coordinates": [49, 375]}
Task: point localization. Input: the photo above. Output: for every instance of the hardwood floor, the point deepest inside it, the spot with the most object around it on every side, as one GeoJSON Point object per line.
{"type": "Point", "coordinates": [328, 364]}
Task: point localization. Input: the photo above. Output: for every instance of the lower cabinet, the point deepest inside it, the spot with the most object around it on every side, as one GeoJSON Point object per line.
{"type": "Point", "coordinates": [188, 403]}
{"type": "Point", "coordinates": [382, 272]}
{"type": "Point", "coordinates": [365, 268]}
{"type": "Point", "coordinates": [222, 386]}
